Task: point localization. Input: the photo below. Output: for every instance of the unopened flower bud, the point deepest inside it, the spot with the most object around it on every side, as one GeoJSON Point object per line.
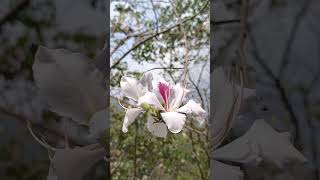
{"type": "Point", "coordinates": [145, 106]}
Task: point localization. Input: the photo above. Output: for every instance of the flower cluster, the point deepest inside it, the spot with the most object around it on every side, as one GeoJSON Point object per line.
{"type": "Point", "coordinates": [162, 102]}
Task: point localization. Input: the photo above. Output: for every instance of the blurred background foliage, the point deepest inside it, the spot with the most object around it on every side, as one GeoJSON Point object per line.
{"type": "Point", "coordinates": [24, 24]}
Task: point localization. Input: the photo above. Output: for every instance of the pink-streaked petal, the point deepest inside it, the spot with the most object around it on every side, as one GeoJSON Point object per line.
{"type": "Point", "coordinates": [164, 91]}
{"type": "Point", "coordinates": [156, 128]}
{"type": "Point", "coordinates": [155, 86]}
{"type": "Point", "coordinates": [131, 115]}
{"type": "Point", "coordinates": [156, 82]}
{"type": "Point", "coordinates": [174, 120]}
{"type": "Point", "coordinates": [151, 98]}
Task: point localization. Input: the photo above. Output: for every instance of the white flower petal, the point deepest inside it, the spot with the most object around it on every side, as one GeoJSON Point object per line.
{"type": "Point", "coordinates": [221, 171]}
{"type": "Point", "coordinates": [261, 142]}
{"type": "Point", "coordinates": [131, 87]}
{"type": "Point", "coordinates": [131, 115]}
{"type": "Point", "coordinates": [177, 96]}
{"type": "Point", "coordinates": [151, 98]}
{"type": "Point", "coordinates": [156, 128]}
{"type": "Point", "coordinates": [193, 108]}
{"type": "Point", "coordinates": [174, 120]}
{"type": "Point", "coordinates": [70, 83]}
{"type": "Point", "coordinates": [240, 150]}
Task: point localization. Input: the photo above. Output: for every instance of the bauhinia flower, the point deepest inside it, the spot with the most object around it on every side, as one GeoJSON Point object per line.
{"type": "Point", "coordinates": [134, 89]}
{"type": "Point", "coordinates": [163, 105]}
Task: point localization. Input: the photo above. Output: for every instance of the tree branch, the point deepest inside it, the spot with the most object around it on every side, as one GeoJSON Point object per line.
{"type": "Point", "coordinates": [292, 35]}
{"type": "Point", "coordinates": [223, 22]}
{"type": "Point", "coordinates": [164, 68]}
{"type": "Point", "coordinates": [277, 84]}
{"type": "Point", "coordinates": [197, 89]}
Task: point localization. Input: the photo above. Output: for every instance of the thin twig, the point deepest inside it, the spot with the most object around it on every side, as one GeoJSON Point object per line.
{"type": "Point", "coordinates": [165, 68]}
{"type": "Point", "coordinates": [197, 89]}
{"type": "Point", "coordinates": [196, 131]}
{"type": "Point", "coordinates": [201, 72]}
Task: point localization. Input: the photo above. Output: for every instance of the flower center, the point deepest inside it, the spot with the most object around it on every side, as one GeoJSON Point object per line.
{"type": "Point", "coordinates": [164, 91]}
